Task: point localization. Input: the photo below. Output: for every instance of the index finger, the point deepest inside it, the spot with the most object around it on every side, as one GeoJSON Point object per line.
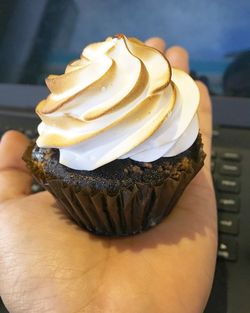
{"type": "Point", "coordinates": [178, 57]}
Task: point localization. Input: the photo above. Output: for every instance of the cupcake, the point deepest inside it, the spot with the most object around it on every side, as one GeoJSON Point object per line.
{"type": "Point", "coordinates": [119, 137]}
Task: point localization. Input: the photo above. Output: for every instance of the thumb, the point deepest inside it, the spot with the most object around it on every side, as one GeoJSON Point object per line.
{"type": "Point", "coordinates": [15, 179]}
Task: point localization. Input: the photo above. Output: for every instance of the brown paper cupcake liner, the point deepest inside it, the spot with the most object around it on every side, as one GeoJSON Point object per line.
{"type": "Point", "coordinates": [129, 210]}
{"type": "Point", "coordinates": [126, 213]}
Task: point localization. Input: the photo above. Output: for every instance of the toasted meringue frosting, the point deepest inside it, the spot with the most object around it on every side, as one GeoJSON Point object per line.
{"type": "Point", "coordinates": [121, 99]}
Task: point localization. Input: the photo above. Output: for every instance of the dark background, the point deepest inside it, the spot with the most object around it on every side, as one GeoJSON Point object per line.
{"type": "Point", "coordinates": [41, 36]}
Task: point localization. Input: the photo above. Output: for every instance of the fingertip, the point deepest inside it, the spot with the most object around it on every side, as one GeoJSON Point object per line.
{"type": "Point", "coordinates": [178, 57]}
{"type": "Point", "coordinates": [12, 147]}
{"type": "Point", "coordinates": [205, 101]}
{"type": "Point", "coordinates": [14, 134]}
{"type": "Point", "coordinates": [157, 43]}
{"type": "Point", "coordinates": [15, 179]}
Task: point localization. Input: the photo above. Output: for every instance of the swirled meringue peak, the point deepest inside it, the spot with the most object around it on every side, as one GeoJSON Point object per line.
{"type": "Point", "coordinates": [121, 99]}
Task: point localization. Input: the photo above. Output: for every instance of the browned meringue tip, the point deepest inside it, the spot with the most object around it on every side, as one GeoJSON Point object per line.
{"type": "Point", "coordinates": [120, 36]}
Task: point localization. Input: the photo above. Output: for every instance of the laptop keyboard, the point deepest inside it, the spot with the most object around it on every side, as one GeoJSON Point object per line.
{"type": "Point", "coordinates": [231, 172]}
{"type": "Point", "coordinates": [226, 168]}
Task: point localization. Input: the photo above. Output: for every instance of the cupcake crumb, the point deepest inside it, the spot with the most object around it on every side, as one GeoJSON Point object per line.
{"type": "Point", "coordinates": [125, 171]}
{"type": "Point", "coordinates": [160, 169]}
{"type": "Point", "coordinates": [136, 169]}
{"type": "Point", "coordinates": [166, 172]}
{"type": "Point", "coordinates": [175, 175]}
{"type": "Point", "coordinates": [183, 165]}
{"type": "Point", "coordinates": [147, 165]}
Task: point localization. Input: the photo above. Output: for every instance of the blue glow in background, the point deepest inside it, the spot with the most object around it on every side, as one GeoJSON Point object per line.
{"type": "Point", "coordinates": [208, 29]}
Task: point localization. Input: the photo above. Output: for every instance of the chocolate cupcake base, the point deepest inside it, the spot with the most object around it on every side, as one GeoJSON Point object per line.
{"type": "Point", "coordinates": [122, 198]}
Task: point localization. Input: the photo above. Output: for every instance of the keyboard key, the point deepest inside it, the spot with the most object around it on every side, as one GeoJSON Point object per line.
{"type": "Point", "coordinates": [228, 223]}
{"type": "Point", "coordinates": [214, 153]}
{"type": "Point", "coordinates": [215, 132]}
{"type": "Point", "coordinates": [36, 188]}
{"type": "Point", "coordinates": [29, 133]}
{"type": "Point", "coordinates": [230, 169]}
{"type": "Point", "coordinates": [231, 156]}
{"type": "Point", "coordinates": [228, 202]}
{"type": "Point", "coordinates": [228, 248]}
{"type": "Point", "coordinates": [228, 185]}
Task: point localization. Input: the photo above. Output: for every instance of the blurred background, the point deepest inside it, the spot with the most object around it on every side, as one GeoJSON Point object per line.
{"type": "Point", "coordinates": [41, 36]}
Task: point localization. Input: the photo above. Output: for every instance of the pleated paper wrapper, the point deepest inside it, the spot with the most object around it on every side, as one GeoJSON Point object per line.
{"type": "Point", "coordinates": [130, 211]}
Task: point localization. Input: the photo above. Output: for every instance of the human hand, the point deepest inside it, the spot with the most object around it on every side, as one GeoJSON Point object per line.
{"type": "Point", "coordinates": [48, 264]}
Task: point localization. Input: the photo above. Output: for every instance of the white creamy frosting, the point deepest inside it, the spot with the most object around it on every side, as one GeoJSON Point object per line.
{"type": "Point", "coordinates": [121, 100]}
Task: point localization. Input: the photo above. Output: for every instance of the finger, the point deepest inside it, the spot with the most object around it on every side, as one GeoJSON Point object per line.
{"type": "Point", "coordinates": [15, 180]}
{"type": "Point", "coordinates": [157, 43]}
{"type": "Point", "coordinates": [178, 57]}
{"type": "Point", "coordinates": [205, 119]}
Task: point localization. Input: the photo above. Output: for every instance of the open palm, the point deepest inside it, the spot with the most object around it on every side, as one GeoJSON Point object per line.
{"type": "Point", "coordinates": [48, 264]}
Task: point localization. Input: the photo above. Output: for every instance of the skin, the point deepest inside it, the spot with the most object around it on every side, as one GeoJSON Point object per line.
{"type": "Point", "coordinates": [47, 264]}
